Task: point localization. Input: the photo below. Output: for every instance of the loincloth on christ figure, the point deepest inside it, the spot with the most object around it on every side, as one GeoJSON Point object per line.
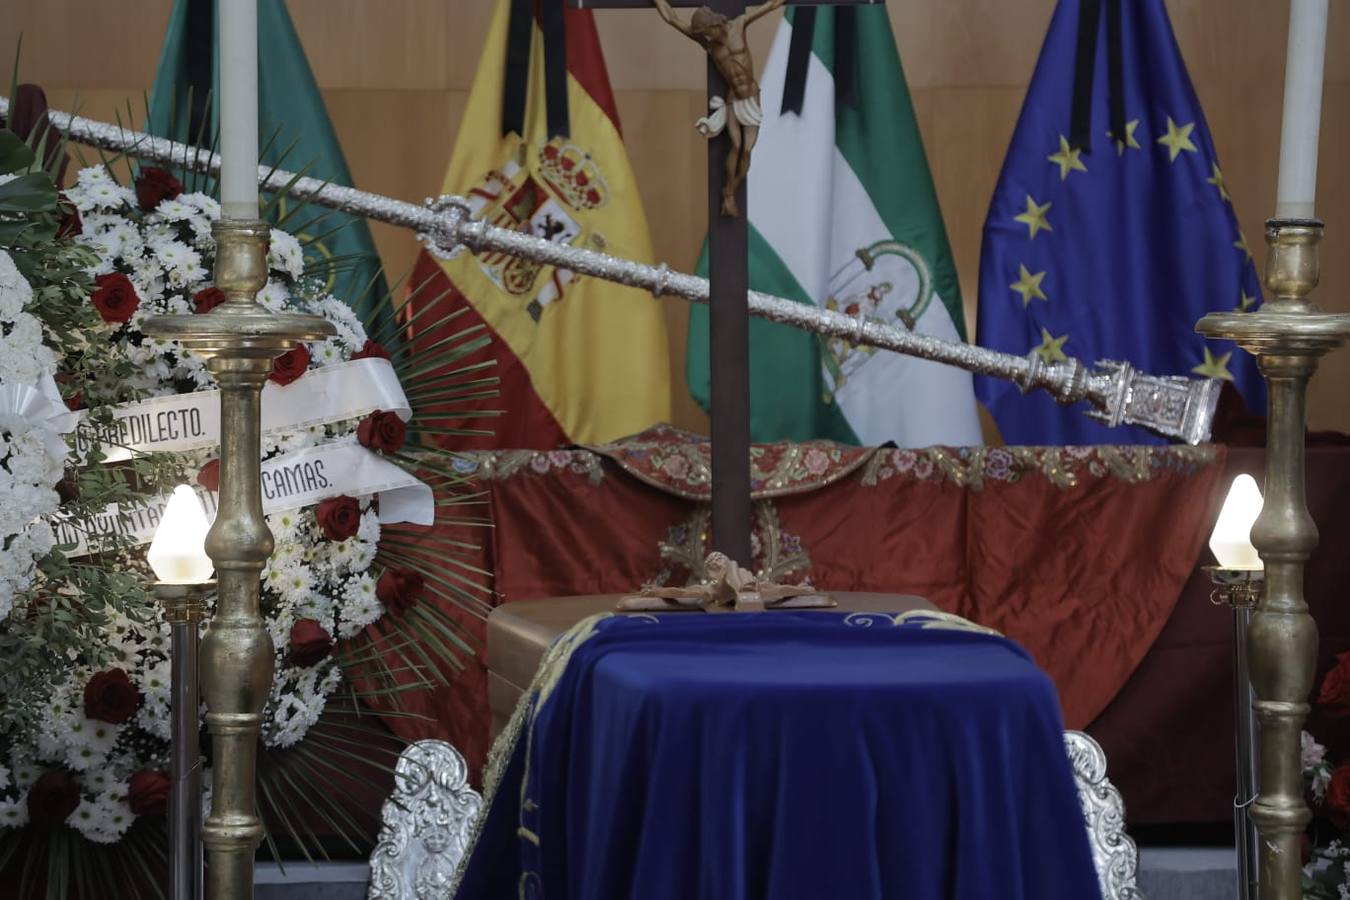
{"type": "Point", "coordinates": [745, 109]}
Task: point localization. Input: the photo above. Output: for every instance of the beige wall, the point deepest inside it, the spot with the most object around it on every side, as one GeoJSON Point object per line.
{"type": "Point", "coordinates": [395, 74]}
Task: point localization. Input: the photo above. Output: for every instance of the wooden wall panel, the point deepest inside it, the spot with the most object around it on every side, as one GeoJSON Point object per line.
{"type": "Point", "coordinates": [395, 77]}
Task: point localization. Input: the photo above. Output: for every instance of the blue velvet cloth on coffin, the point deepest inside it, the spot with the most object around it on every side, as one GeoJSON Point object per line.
{"type": "Point", "coordinates": [792, 756]}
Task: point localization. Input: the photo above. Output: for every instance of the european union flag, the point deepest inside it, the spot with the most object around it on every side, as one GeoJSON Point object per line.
{"type": "Point", "coordinates": [1111, 231]}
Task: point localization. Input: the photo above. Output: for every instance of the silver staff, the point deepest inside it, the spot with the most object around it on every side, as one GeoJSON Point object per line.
{"type": "Point", "coordinates": [1175, 406]}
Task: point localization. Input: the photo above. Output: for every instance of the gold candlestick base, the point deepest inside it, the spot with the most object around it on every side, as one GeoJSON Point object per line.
{"type": "Point", "coordinates": [239, 339]}
{"type": "Point", "coordinates": [1287, 335]}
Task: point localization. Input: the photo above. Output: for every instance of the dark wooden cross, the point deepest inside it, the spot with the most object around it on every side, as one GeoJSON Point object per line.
{"type": "Point", "coordinates": [729, 319]}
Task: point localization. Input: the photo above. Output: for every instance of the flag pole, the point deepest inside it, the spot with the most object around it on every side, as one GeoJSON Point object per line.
{"type": "Point", "coordinates": [1175, 406]}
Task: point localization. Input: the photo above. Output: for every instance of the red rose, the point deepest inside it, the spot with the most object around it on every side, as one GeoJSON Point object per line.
{"type": "Point", "coordinates": [382, 431]}
{"type": "Point", "coordinates": [582, 179]}
{"type": "Point", "coordinates": [339, 517]}
{"type": "Point", "coordinates": [68, 489]}
{"type": "Point", "coordinates": [310, 644]}
{"type": "Point", "coordinates": [154, 186]}
{"type": "Point", "coordinates": [75, 401]}
{"type": "Point", "coordinates": [371, 350]}
{"type": "Point", "coordinates": [593, 197]}
{"type": "Point", "coordinates": [290, 365]}
{"type": "Point", "coordinates": [399, 589]}
{"type": "Point", "coordinates": [115, 297]}
{"type": "Point", "coordinates": [209, 476]}
{"type": "Point", "coordinates": [71, 224]}
{"type": "Point", "coordinates": [53, 798]}
{"type": "Point", "coordinates": [550, 151]}
{"type": "Point", "coordinates": [207, 299]}
{"type": "Point", "coordinates": [1335, 693]}
{"type": "Point", "coordinates": [111, 697]}
{"type": "Point", "coordinates": [148, 793]}
{"type": "Point", "coordinates": [567, 163]}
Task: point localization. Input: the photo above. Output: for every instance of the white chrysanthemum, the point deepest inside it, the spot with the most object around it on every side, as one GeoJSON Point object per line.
{"type": "Point", "coordinates": [15, 291]}
{"type": "Point", "coordinates": [95, 189]}
{"type": "Point", "coordinates": [209, 207]}
{"type": "Point", "coordinates": [82, 759]}
{"type": "Point", "coordinates": [23, 770]}
{"type": "Point", "coordinates": [175, 210]}
{"type": "Point", "coordinates": [369, 531]}
{"type": "Point", "coordinates": [274, 296]}
{"type": "Point", "coordinates": [153, 719]}
{"type": "Point", "coordinates": [360, 605]}
{"type": "Point", "coordinates": [14, 813]}
{"type": "Point", "coordinates": [182, 265]}
{"type": "Point", "coordinates": [103, 819]}
{"type": "Point", "coordinates": [326, 353]}
{"type": "Point", "coordinates": [285, 255]}
{"type": "Point", "coordinates": [154, 681]}
{"type": "Point", "coordinates": [296, 582]}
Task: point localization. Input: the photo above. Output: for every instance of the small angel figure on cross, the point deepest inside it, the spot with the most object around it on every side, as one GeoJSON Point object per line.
{"type": "Point", "coordinates": [724, 40]}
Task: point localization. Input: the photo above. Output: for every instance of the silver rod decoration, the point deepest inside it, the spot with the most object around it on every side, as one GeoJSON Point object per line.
{"type": "Point", "coordinates": [1175, 406]}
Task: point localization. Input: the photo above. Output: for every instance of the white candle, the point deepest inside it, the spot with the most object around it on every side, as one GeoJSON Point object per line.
{"type": "Point", "coordinates": [239, 108]}
{"type": "Point", "coordinates": [1302, 109]}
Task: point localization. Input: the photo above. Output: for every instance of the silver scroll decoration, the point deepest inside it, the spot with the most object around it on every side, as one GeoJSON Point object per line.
{"type": "Point", "coordinates": [426, 824]}
{"type": "Point", "coordinates": [1114, 854]}
{"type": "Point", "coordinates": [1175, 406]}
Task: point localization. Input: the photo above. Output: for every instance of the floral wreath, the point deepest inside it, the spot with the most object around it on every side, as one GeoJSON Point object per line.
{"type": "Point", "coordinates": [85, 734]}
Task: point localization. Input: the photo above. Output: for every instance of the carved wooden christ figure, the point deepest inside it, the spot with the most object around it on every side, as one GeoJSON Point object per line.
{"type": "Point", "coordinates": [739, 114]}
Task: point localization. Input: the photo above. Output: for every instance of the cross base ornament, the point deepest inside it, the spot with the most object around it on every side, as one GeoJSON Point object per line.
{"type": "Point", "coordinates": [727, 588]}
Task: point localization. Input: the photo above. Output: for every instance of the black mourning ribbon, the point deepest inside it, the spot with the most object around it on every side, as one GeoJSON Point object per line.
{"type": "Point", "coordinates": [1085, 60]}
{"type": "Point", "coordinates": [799, 58]}
{"type": "Point", "coordinates": [200, 29]}
{"type": "Point", "coordinates": [518, 33]}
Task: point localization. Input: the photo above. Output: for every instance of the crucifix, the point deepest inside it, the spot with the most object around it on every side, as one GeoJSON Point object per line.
{"type": "Point", "coordinates": [732, 127]}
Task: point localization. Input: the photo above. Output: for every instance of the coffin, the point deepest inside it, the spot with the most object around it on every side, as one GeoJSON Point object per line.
{"type": "Point", "coordinates": [519, 633]}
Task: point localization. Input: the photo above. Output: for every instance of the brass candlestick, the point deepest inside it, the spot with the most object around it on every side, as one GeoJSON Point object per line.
{"type": "Point", "coordinates": [1287, 335]}
{"type": "Point", "coordinates": [183, 605]}
{"type": "Point", "coordinates": [239, 339]}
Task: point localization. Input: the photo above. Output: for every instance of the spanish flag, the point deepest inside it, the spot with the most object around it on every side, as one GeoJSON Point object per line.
{"type": "Point", "coordinates": [539, 150]}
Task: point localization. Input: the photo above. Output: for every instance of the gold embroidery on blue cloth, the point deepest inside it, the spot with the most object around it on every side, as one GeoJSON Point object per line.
{"type": "Point", "coordinates": [545, 680]}
{"type": "Point", "coordinates": [922, 618]}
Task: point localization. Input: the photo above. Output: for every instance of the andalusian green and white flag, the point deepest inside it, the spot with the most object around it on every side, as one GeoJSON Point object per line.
{"type": "Point", "coordinates": [843, 214]}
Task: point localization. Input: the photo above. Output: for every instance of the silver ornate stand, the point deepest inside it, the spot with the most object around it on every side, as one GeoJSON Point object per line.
{"type": "Point", "coordinates": [426, 827]}
{"type": "Point", "coordinates": [1113, 851]}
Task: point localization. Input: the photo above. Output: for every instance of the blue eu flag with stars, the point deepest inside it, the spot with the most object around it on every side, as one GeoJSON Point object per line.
{"type": "Point", "coordinates": [1111, 231]}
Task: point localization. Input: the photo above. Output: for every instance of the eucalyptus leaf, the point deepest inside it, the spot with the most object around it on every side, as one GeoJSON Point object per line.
{"type": "Point", "coordinates": [31, 193]}
{"type": "Point", "coordinates": [15, 155]}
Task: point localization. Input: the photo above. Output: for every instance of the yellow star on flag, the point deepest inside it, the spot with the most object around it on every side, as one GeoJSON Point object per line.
{"type": "Point", "coordinates": [1034, 217]}
{"type": "Point", "coordinates": [1217, 180]}
{"type": "Point", "coordinates": [1067, 159]}
{"type": "Point", "coordinates": [1245, 303]}
{"type": "Point", "coordinates": [1028, 285]}
{"type": "Point", "coordinates": [1178, 138]}
{"type": "Point", "coordinates": [1215, 368]}
{"type": "Point", "coordinates": [1129, 140]}
{"type": "Point", "coordinates": [1241, 244]}
{"type": "Point", "coordinates": [1052, 348]}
